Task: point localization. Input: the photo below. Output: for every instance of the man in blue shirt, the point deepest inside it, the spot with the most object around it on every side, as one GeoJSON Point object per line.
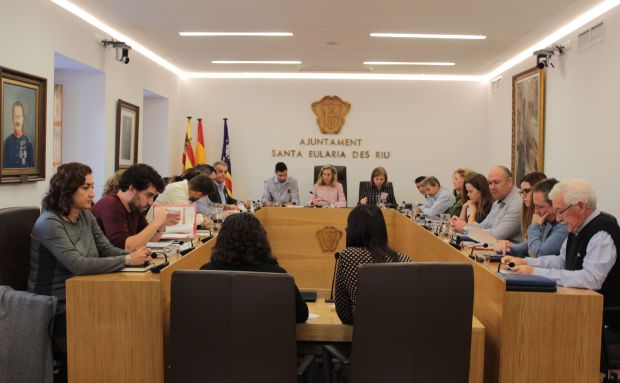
{"type": "Point", "coordinates": [18, 151]}
{"type": "Point", "coordinates": [438, 199]}
{"type": "Point", "coordinates": [281, 189]}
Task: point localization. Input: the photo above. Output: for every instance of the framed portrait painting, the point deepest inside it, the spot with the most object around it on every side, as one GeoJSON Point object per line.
{"type": "Point", "coordinates": [127, 118]}
{"type": "Point", "coordinates": [528, 122]}
{"type": "Point", "coordinates": [22, 126]}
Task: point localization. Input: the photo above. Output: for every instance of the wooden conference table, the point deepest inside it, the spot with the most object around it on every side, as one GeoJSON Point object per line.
{"type": "Point", "coordinates": [118, 323]}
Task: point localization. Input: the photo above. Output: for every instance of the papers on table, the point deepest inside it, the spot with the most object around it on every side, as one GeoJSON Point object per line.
{"type": "Point", "coordinates": [186, 228]}
{"type": "Point", "coordinates": [482, 236]}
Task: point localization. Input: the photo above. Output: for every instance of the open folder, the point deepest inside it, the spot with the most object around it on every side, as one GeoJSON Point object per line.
{"type": "Point", "coordinates": [186, 228]}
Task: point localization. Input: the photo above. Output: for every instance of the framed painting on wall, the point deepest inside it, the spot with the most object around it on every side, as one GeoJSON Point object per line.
{"type": "Point", "coordinates": [528, 122]}
{"type": "Point", "coordinates": [22, 126]}
{"type": "Point", "coordinates": [127, 118]}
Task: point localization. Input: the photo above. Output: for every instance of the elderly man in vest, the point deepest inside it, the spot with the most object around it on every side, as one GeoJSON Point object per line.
{"type": "Point", "coordinates": [588, 256]}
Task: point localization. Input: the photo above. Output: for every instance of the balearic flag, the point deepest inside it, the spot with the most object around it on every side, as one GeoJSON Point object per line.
{"type": "Point", "coordinates": [226, 157]}
{"type": "Point", "coordinates": [188, 152]}
{"type": "Point", "coordinates": [200, 145]}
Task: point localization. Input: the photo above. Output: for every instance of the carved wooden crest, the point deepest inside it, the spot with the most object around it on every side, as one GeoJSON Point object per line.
{"type": "Point", "coordinates": [330, 113]}
{"type": "Point", "coordinates": [329, 237]}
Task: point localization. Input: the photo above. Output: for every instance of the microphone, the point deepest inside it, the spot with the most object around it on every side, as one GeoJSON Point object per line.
{"type": "Point", "coordinates": [331, 293]}
{"type": "Point", "coordinates": [320, 198]}
{"type": "Point", "coordinates": [482, 245]}
{"type": "Point", "coordinates": [157, 268]}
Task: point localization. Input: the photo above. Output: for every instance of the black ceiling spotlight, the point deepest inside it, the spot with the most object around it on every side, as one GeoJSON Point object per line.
{"type": "Point", "coordinates": [543, 56]}
{"type": "Point", "coordinates": [122, 49]}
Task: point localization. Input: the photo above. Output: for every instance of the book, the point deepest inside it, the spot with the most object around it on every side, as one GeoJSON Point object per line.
{"type": "Point", "coordinates": [523, 282]}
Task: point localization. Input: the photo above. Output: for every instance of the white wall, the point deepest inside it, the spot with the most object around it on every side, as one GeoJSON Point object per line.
{"type": "Point", "coordinates": [582, 127]}
{"type": "Point", "coordinates": [155, 126]}
{"type": "Point", "coordinates": [31, 31]}
{"type": "Point", "coordinates": [430, 128]}
{"type": "Point", "coordinates": [82, 120]}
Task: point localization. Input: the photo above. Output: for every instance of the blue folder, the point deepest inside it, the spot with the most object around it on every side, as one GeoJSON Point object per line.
{"type": "Point", "coordinates": [522, 282]}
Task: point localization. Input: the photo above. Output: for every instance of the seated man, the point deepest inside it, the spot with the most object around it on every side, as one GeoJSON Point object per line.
{"type": "Point", "coordinates": [504, 219]}
{"type": "Point", "coordinates": [281, 189]}
{"type": "Point", "coordinates": [221, 195]}
{"type": "Point", "coordinates": [121, 215]}
{"type": "Point", "coordinates": [545, 235]}
{"type": "Point", "coordinates": [183, 192]}
{"type": "Point", "coordinates": [438, 199]}
{"type": "Point", "coordinates": [419, 183]}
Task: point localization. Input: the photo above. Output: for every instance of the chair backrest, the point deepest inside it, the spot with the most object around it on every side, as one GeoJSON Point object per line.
{"type": "Point", "coordinates": [234, 327]}
{"type": "Point", "coordinates": [16, 225]}
{"type": "Point", "coordinates": [365, 186]}
{"type": "Point", "coordinates": [342, 175]}
{"type": "Point", "coordinates": [412, 323]}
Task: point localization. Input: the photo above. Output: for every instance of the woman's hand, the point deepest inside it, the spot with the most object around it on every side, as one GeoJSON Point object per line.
{"type": "Point", "coordinates": [138, 257]}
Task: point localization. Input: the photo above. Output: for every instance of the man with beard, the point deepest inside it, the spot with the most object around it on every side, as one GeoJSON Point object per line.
{"type": "Point", "coordinates": [121, 215]}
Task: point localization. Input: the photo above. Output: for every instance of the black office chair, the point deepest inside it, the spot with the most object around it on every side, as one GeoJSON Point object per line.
{"type": "Point", "coordinates": [234, 327]}
{"type": "Point", "coordinates": [16, 225]}
{"type": "Point", "coordinates": [412, 323]}
{"type": "Point", "coordinates": [342, 175]}
{"type": "Point", "coordinates": [610, 350]}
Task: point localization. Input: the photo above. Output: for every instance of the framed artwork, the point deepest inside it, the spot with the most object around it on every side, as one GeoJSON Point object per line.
{"type": "Point", "coordinates": [57, 156]}
{"type": "Point", "coordinates": [23, 99]}
{"type": "Point", "coordinates": [528, 122]}
{"type": "Point", "coordinates": [127, 118]}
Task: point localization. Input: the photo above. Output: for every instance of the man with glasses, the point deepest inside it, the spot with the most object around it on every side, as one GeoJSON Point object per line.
{"type": "Point", "coordinates": [588, 256]}
{"type": "Point", "coordinates": [545, 235]}
{"type": "Point", "coordinates": [504, 219]}
{"type": "Point", "coordinates": [121, 215]}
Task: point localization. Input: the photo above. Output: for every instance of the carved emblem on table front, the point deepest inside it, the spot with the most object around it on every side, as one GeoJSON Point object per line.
{"type": "Point", "coordinates": [328, 238]}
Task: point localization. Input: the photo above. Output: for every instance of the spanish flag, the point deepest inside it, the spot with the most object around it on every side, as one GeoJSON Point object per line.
{"type": "Point", "coordinates": [188, 152]}
{"type": "Point", "coordinates": [226, 157]}
{"type": "Point", "coordinates": [200, 145]}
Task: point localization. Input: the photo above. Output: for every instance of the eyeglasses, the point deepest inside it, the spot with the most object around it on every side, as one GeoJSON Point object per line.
{"type": "Point", "coordinates": [561, 212]}
{"type": "Point", "coordinates": [524, 192]}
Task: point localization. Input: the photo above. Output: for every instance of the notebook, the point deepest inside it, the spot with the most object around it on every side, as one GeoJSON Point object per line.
{"type": "Point", "coordinates": [522, 282]}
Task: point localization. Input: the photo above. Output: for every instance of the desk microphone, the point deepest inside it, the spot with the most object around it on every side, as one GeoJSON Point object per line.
{"type": "Point", "coordinates": [331, 293]}
{"type": "Point", "coordinates": [157, 268]}
{"type": "Point", "coordinates": [482, 245]}
{"type": "Point", "coordinates": [320, 198]}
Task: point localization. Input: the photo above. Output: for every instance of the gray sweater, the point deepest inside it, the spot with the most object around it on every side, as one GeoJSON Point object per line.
{"type": "Point", "coordinates": [62, 249]}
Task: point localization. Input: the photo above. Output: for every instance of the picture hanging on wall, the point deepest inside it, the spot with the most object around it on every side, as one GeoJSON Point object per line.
{"type": "Point", "coordinates": [22, 126]}
{"type": "Point", "coordinates": [127, 117]}
{"type": "Point", "coordinates": [528, 122]}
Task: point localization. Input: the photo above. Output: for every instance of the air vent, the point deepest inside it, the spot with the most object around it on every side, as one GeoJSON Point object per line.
{"type": "Point", "coordinates": [594, 35]}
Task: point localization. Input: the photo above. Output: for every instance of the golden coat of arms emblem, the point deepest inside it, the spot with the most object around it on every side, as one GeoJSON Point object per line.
{"type": "Point", "coordinates": [328, 238]}
{"type": "Point", "coordinates": [330, 113]}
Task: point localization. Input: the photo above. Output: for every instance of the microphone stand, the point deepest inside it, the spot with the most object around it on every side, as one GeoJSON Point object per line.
{"type": "Point", "coordinates": [331, 293]}
{"type": "Point", "coordinates": [156, 269]}
{"type": "Point", "coordinates": [320, 198]}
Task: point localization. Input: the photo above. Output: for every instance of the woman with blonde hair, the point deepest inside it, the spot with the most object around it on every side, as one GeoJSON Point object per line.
{"type": "Point", "coordinates": [327, 191]}
{"type": "Point", "coordinates": [458, 178]}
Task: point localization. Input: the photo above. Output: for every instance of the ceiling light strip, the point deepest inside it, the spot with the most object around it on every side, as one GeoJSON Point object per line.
{"type": "Point", "coordinates": [415, 63]}
{"type": "Point", "coordinates": [332, 76]}
{"type": "Point", "coordinates": [428, 36]}
{"type": "Point", "coordinates": [216, 34]}
{"type": "Point", "coordinates": [280, 62]}
{"type": "Point", "coordinates": [572, 26]}
{"type": "Point", "coordinates": [92, 20]}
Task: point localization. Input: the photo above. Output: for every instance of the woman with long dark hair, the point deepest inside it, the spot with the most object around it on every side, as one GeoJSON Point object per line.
{"type": "Point", "coordinates": [242, 245]}
{"type": "Point", "coordinates": [477, 199]}
{"type": "Point", "coordinates": [366, 243]}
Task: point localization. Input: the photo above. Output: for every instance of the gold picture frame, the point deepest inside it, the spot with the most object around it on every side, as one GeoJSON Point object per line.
{"type": "Point", "coordinates": [23, 99]}
{"type": "Point", "coordinates": [528, 122]}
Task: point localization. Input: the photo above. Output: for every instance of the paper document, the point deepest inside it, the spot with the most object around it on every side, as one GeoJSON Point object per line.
{"type": "Point", "coordinates": [186, 228]}
{"type": "Point", "coordinates": [483, 236]}
{"type": "Point", "coordinates": [158, 245]}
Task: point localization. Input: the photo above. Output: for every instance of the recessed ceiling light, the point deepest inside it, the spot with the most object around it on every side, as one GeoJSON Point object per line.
{"type": "Point", "coordinates": [428, 36]}
{"type": "Point", "coordinates": [425, 63]}
{"type": "Point", "coordinates": [282, 62]}
{"type": "Point", "coordinates": [261, 34]}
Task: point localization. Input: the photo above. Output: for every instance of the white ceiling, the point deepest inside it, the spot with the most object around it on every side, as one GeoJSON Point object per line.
{"type": "Point", "coordinates": [333, 35]}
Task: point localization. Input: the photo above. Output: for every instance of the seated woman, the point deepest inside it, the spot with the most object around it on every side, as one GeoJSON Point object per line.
{"type": "Point", "coordinates": [67, 241]}
{"type": "Point", "coordinates": [366, 243]}
{"type": "Point", "coordinates": [477, 199]}
{"type": "Point", "coordinates": [379, 191]}
{"type": "Point", "coordinates": [242, 245]}
{"type": "Point", "coordinates": [458, 178]}
{"type": "Point", "coordinates": [526, 184]}
{"type": "Point", "coordinates": [327, 191]}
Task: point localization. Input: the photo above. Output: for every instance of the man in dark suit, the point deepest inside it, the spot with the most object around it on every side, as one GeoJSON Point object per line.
{"type": "Point", "coordinates": [221, 194]}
